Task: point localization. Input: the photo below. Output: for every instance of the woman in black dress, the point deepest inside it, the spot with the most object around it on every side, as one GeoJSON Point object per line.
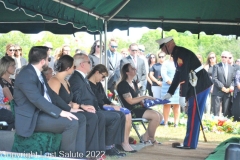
{"type": "Point", "coordinates": [97, 74]}
{"type": "Point", "coordinates": [7, 68]}
{"type": "Point", "coordinates": [129, 94]}
{"type": "Point", "coordinates": [211, 61]}
{"type": "Point", "coordinates": [58, 83]}
{"type": "Point", "coordinates": [95, 54]}
{"type": "Point", "coordinates": [236, 97]}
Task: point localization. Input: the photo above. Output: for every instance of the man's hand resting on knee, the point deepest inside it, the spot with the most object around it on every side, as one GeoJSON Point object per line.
{"type": "Point", "coordinates": [68, 115]}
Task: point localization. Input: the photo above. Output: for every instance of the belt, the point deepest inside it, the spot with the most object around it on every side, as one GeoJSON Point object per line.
{"type": "Point", "coordinates": [198, 69]}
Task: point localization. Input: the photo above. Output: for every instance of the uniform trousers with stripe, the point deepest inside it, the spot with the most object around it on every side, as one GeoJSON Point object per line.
{"type": "Point", "coordinates": [193, 122]}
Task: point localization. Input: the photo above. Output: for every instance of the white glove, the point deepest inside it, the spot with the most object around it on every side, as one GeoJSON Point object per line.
{"type": "Point", "coordinates": [182, 101]}
{"type": "Point", "coordinates": [167, 96]}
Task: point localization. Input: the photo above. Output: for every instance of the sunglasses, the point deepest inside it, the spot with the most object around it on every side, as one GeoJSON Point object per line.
{"type": "Point", "coordinates": [50, 48]}
{"type": "Point", "coordinates": [230, 57]}
{"type": "Point", "coordinates": [160, 56]}
{"type": "Point", "coordinates": [141, 50]}
{"type": "Point", "coordinates": [152, 57]}
{"type": "Point", "coordinates": [134, 50]}
{"type": "Point", "coordinates": [103, 76]}
{"type": "Point", "coordinates": [114, 46]}
{"type": "Point", "coordinates": [49, 59]}
{"type": "Point", "coordinates": [224, 57]}
{"type": "Point", "coordinates": [211, 57]}
{"type": "Point", "coordinates": [12, 50]}
{"type": "Point", "coordinates": [18, 50]}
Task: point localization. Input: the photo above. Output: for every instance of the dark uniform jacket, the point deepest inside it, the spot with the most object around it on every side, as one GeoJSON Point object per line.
{"type": "Point", "coordinates": [185, 61]}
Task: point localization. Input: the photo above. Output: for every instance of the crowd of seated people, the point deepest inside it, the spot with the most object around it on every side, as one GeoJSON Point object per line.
{"type": "Point", "coordinates": [68, 97]}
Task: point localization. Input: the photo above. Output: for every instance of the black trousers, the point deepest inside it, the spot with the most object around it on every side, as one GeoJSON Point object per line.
{"type": "Point", "coordinates": [114, 127]}
{"type": "Point", "coordinates": [6, 115]}
{"type": "Point", "coordinates": [73, 131]}
{"type": "Point", "coordinates": [92, 140]}
{"type": "Point", "coordinates": [216, 102]}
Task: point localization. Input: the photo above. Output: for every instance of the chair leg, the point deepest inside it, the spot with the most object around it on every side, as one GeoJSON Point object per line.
{"type": "Point", "coordinates": [144, 125]}
{"type": "Point", "coordinates": [135, 128]}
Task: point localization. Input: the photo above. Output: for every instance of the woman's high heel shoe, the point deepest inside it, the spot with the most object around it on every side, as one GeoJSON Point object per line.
{"type": "Point", "coordinates": [119, 147]}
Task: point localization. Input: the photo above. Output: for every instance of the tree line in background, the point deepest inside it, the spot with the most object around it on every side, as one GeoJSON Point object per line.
{"type": "Point", "coordinates": [199, 44]}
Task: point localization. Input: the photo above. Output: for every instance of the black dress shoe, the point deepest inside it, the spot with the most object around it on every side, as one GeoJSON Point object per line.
{"type": "Point", "coordinates": [114, 152]}
{"type": "Point", "coordinates": [120, 148]}
{"type": "Point", "coordinates": [183, 147]}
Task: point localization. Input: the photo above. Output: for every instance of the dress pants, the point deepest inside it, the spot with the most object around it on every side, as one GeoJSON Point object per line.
{"type": "Point", "coordinates": [193, 121]}
{"type": "Point", "coordinates": [114, 127]}
{"type": "Point", "coordinates": [216, 103]}
{"type": "Point", "coordinates": [6, 115]}
{"type": "Point", "coordinates": [73, 131]}
{"type": "Point", "coordinates": [92, 140]}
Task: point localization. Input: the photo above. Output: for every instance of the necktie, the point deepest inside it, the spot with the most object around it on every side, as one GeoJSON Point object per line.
{"type": "Point", "coordinates": [46, 96]}
{"type": "Point", "coordinates": [225, 70]}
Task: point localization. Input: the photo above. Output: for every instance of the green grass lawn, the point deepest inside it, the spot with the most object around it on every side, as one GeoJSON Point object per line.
{"type": "Point", "coordinates": [164, 134]}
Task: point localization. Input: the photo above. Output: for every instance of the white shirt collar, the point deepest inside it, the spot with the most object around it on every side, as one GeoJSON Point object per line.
{"type": "Point", "coordinates": [37, 71]}
{"type": "Point", "coordinates": [83, 74]}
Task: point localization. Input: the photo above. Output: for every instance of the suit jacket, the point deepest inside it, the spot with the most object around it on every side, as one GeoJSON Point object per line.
{"type": "Point", "coordinates": [82, 92]}
{"type": "Point", "coordinates": [22, 60]}
{"type": "Point", "coordinates": [30, 101]}
{"type": "Point", "coordinates": [113, 69]}
{"type": "Point", "coordinates": [141, 70]}
{"type": "Point", "coordinates": [186, 61]}
{"type": "Point", "coordinates": [219, 80]}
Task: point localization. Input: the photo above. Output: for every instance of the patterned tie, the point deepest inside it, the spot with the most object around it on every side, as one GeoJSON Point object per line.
{"type": "Point", "coordinates": [46, 96]}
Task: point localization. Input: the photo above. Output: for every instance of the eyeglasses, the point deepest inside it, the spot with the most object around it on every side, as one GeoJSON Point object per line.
{"type": "Point", "coordinates": [141, 50]}
{"type": "Point", "coordinates": [224, 57]}
{"type": "Point", "coordinates": [12, 50]}
{"type": "Point", "coordinates": [87, 62]}
{"type": "Point", "coordinates": [152, 57]}
{"type": "Point", "coordinates": [114, 46]}
{"type": "Point", "coordinates": [211, 57]}
{"type": "Point", "coordinates": [160, 56]}
{"type": "Point", "coordinates": [230, 57]}
{"type": "Point", "coordinates": [18, 50]}
{"type": "Point", "coordinates": [134, 50]}
{"type": "Point", "coordinates": [103, 76]}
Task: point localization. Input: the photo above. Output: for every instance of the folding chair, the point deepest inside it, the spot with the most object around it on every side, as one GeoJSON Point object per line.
{"type": "Point", "coordinates": [134, 120]}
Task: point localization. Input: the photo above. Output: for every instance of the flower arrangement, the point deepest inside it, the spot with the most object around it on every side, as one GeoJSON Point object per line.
{"type": "Point", "coordinates": [212, 123]}
{"type": "Point", "coordinates": [6, 101]}
{"type": "Point", "coordinates": [109, 94]}
{"type": "Point", "coordinates": [220, 124]}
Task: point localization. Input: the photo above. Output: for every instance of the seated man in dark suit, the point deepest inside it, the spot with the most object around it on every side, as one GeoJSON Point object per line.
{"type": "Point", "coordinates": [39, 109]}
{"type": "Point", "coordinates": [83, 95]}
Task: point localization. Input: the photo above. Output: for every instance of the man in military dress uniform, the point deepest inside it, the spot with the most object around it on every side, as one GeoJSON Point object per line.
{"type": "Point", "coordinates": [186, 62]}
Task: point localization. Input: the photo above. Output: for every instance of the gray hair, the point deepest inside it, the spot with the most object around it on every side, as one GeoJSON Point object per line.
{"type": "Point", "coordinates": [78, 58]}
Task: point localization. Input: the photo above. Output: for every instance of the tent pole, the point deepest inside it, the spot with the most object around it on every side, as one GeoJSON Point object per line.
{"type": "Point", "coordinates": [173, 21]}
{"type": "Point", "coordinates": [119, 9]}
{"type": "Point", "coordinates": [105, 50]}
{"type": "Point", "coordinates": [101, 48]}
{"type": "Point", "coordinates": [78, 8]}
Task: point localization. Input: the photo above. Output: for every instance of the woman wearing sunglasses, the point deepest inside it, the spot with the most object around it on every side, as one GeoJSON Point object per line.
{"type": "Point", "coordinates": [211, 61]}
{"type": "Point", "coordinates": [156, 77]}
{"type": "Point", "coordinates": [94, 54]}
{"type": "Point", "coordinates": [97, 74]}
{"type": "Point", "coordinates": [10, 50]}
{"type": "Point", "coordinates": [20, 61]}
